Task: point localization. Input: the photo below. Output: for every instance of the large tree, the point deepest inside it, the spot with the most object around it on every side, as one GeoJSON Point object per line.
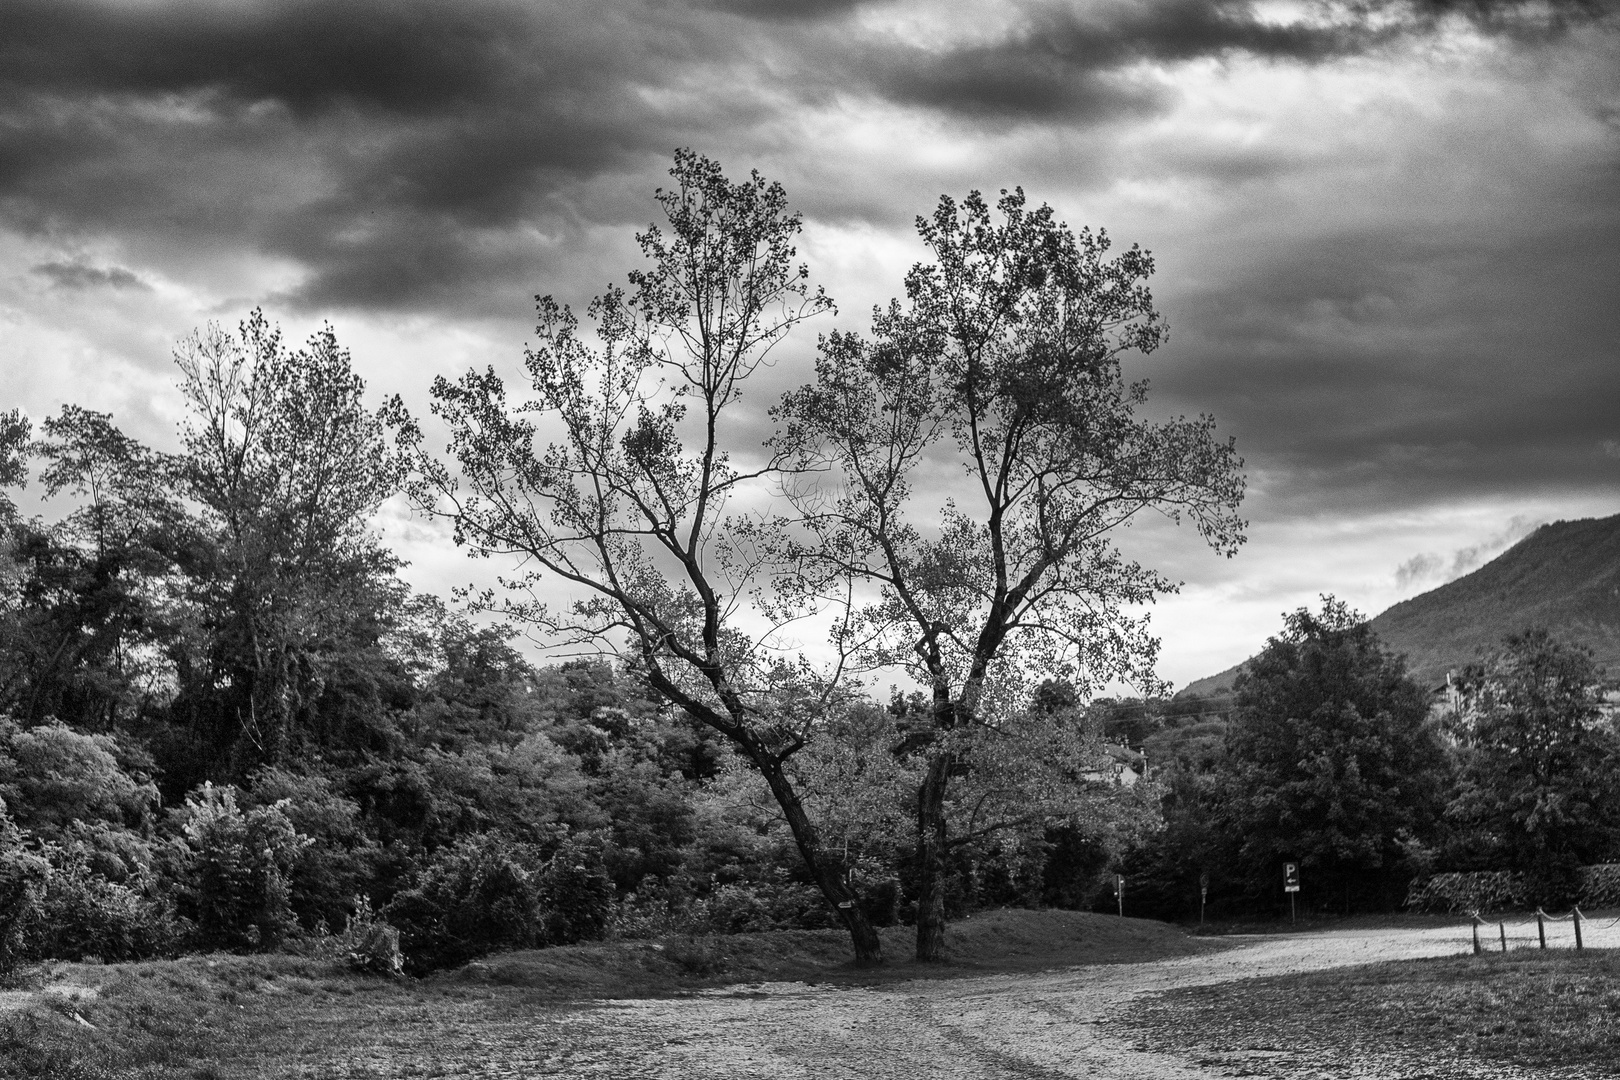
{"type": "Point", "coordinates": [1539, 784]}
{"type": "Point", "coordinates": [91, 621]}
{"type": "Point", "coordinates": [289, 586]}
{"type": "Point", "coordinates": [614, 479]}
{"type": "Point", "coordinates": [996, 393]}
{"type": "Point", "coordinates": [1331, 759]}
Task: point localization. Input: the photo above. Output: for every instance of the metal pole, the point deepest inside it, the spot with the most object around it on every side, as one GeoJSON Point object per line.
{"type": "Point", "coordinates": [1578, 928]}
{"type": "Point", "coordinates": [1503, 928]}
{"type": "Point", "coordinates": [1119, 893]}
{"type": "Point", "coordinates": [1476, 935]}
{"type": "Point", "coordinates": [1293, 915]}
{"type": "Point", "coordinates": [1541, 927]}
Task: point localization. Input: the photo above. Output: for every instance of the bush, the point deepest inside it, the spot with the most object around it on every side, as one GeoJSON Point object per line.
{"type": "Point", "coordinates": [478, 897]}
{"type": "Point", "coordinates": [1456, 894]}
{"type": "Point", "coordinates": [239, 868]}
{"type": "Point", "coordinates": [368, 943]}
{"type": "Point", "coordinates": [749, 907]}
{"type": "Point", "coordinates": [341, 861]}
{"type": "Point", "coordinates": [22, 885]}
{"type": "Point", "coordinates": [491, 893]}
{"type": "Point", "coordinates": [82, 915]}
{"type": "Point", "coordinates": [54, 905]}
{"type": "Point", "coordinates": [576, 895]}
{"type": "Point", "coordinates": [1600, 885]}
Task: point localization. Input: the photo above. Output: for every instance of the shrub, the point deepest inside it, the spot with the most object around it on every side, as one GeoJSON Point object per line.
{"type": "Point", "coordinates": [576, 894]}
{"type": "Point", "coordinates": [239, 869]}
{"type": "Point", "coordinates": [696, 956]}
{"type": "Point", "coordinates": [368, 943]}
{"type": "Point", "coordinates": [22, 885]}
{"type": "Point", "coordinates": [1458, 893]}
{"type": "Point", "coordinates": [340, 863]}
{"type": "Point", "coordinates": [82, 914]}
{"type": "Point", "coordinates": [735, 909]}
{"type": "Point", "coordinates": [1600, 885]}
{"type": "Point", "coordinates": [748, 907]}
{"type": "Point", "coordinates": [477, 897]}
{"type": "Point", "coordinates": [491, 893]}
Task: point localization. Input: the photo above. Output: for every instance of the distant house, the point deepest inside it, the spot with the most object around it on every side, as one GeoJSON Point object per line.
{"type": "Point", "coordinates": [1123, 766]}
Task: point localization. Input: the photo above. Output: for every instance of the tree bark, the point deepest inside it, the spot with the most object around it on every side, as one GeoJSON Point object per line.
{"type": "Point", "coordinates": [931, 867]}
{"type": "Point", "coordinates": [862, 935]}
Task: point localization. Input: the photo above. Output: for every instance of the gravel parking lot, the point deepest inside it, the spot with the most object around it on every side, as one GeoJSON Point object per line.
{"type": "Point", "coordinates": [1065, 1023]}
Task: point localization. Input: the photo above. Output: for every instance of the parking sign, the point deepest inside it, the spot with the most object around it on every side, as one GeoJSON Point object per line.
{"type": "Point", "coordinates": [1290, 877]}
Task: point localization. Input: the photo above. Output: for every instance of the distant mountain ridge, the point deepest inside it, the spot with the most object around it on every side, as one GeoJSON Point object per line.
{"type": "Point", "coordinates": [1564, 576]}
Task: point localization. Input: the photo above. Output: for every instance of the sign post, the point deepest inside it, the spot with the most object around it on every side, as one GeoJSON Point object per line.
{"type": "Point", "coordinates": [1203, 895]}
{"type": "Point", "coordinates": [1119, 893]}
{"type": "Point", "coordinates": [1291, 886]}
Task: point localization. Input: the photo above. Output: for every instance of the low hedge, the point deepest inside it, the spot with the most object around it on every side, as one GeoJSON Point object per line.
{"type": "Point", "coordinates": [1497, 890]}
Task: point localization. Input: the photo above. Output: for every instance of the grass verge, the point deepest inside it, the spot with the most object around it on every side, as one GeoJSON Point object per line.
{"type": "Point", "coordinates": [991, 941]}
{"type": "Point", "coordinates": [1539, 1010]}
{"type": "Point", "coordinates": [225, 1017]}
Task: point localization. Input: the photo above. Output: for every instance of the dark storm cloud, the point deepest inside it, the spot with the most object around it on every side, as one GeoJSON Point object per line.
{"type": "Point", "coordinates": [79, 275]}
{"type": "Point", "coordinates": [377, 144]}
{"type": "Point", "coordinates": [415, 153]}
{"type": "Point", "coordinates": [1063, 62]}
{"type": "Point", "coordinates": [1060, 63]}
{"type": "Point", "coordinates": [310, 55]}
{"type": "Point", "coordinates": [789, 10]}
{"type": "Point", "coordinates": [1374, 370]}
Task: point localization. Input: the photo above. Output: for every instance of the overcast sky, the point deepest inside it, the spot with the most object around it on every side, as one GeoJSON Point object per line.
{"type": "Point", "coordinates": [1387, 234]}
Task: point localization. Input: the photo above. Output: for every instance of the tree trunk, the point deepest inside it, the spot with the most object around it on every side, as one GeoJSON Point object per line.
{"type": "Point", "coordinates": [931, 867]}
{"type": "Point", "coordinates": [862, 935]}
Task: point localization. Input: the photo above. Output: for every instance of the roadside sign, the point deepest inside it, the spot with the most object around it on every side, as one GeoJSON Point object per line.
{"type": "Point", "coordinates": [1290, 877]}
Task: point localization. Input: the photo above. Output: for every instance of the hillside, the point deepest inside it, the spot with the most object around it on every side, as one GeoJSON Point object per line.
{"type": "Point", "coordinates": [1564, 576]}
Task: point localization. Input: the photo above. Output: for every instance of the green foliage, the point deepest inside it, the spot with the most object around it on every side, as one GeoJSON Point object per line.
{"type": "Point", "coordinates": [1600, 885]}
{"type": "Point", "coordinates": [341, 858]}
{"type": "Point", "coordinates": [15, 429]}
{"type": "Point", "coordinates": [1005, 360]}
{"type": "Point", "coordinates": [52, 775]}
{"type": "Point", "coordinates": [82, 914]}
{"type": "Point", "coordinates": [1460, 893]}
{"type": "Point", "coordinates": [628, 502]}
{"type": "Point", "coordinates": [1539, 787]}
{"type": "Point", "coordinates": [240, 864]}
{"type": "Point", "coordinates": [575, 894]}
{"type": "Point", "coordinates": [478, 897]}
{"type": "Point", "coordinates": [368, 943]}
{"type": "Point", "coordinates": [287, 467]}
{"type": "Point", "coordinates": [23, 877]}
{"type": "Point", "coordinates": [1331, 760]}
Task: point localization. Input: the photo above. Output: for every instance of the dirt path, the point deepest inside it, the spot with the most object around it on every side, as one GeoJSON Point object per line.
{"type": "Point", "coordinates": [1039, 1026]}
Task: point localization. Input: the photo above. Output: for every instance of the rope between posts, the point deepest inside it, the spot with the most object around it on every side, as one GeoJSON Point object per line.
{"type": "Point", "coordinates": [1527, 923]}
{"type": "Point", "coordinates": [1540, 922]}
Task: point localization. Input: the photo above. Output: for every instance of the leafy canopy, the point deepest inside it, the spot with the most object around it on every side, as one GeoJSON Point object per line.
{"type": "Point", "coordinates": [997, 390]}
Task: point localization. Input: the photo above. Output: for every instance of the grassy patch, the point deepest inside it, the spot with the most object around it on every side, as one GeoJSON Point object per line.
{"type": "Point", "coordinates": [1006, 940]}
{"type": "Point", "coordinates": [223, 1017]}
{"type": "Point", "coordinates": [1545, 1010]}
{"type": "Point", "coordinates": [144, 1020]}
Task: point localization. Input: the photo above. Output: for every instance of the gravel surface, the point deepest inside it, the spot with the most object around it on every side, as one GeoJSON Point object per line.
{"type": "Point", "coordinates": [1066, 1023]}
